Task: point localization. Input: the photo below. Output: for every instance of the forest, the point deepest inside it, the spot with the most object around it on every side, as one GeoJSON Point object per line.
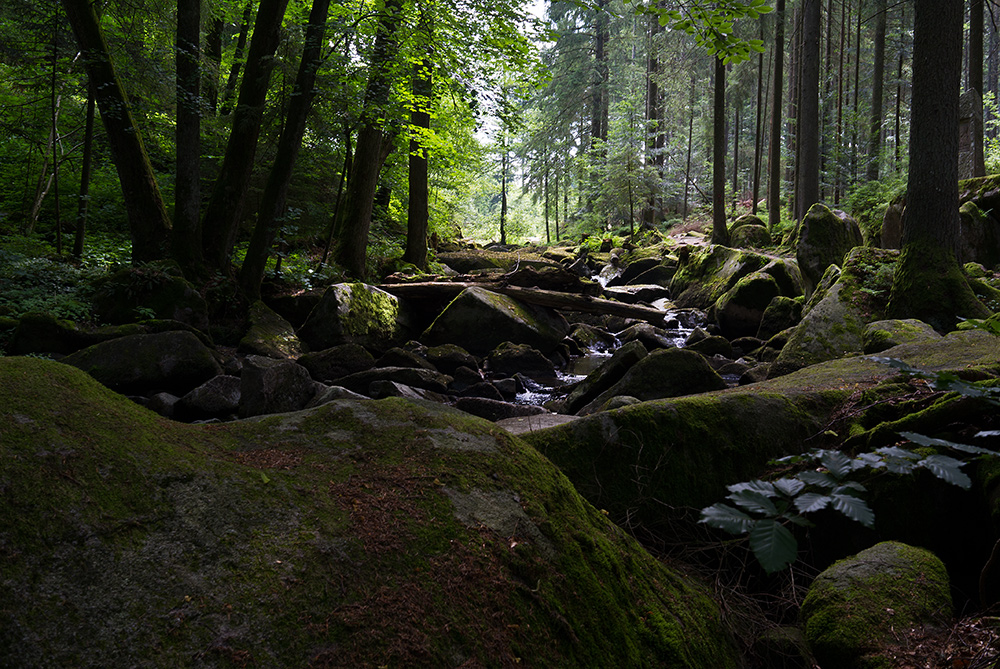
{"type": "Point", "coordinates": [500, 332]}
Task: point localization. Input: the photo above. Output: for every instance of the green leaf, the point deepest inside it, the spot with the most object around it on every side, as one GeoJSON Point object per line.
{"type": "Point", "coordinates": [821, 479]}
{"type": "Point", "coordinates": [930, 441]}
{"type": "Point", "coordinates": [789, 486]}
{"type": "Point", "coordinates": [773, 545]}
{"type": "Point", "coordinates": [763, 487]}
{"type": "Point", "coordinates": [947, 469]}
{"type": "Point", "coordinates": [725, 517]}
{"type": "Point", "coordinates": [754, 501]}
{"type": "Point", "coordinates": [838, 463]}
{"type": "Point", "coordinates": [854, 508]}
{"type": "Point", "coordinates": [264, 478]}
{"type": "Point", "coordinates": [811, 502]}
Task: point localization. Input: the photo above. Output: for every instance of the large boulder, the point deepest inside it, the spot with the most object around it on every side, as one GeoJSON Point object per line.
{"type": "Point", "coordinates": [479, 321]}
{"type": "Point", "coordinates": [739, 312]}
{"type": "Point", "coordinates": [780, 314]}
{"type": "Point", "coordinates": [856, 605]}
{"type": "Point", "coordinates": [509, 359]}
{"type": "Point", "coordinates": [337, 362]}
{"type": "Point", "coordinates": [360, 382]}
{"type": "Point", "coordinates": [142, 364]}
{"type": "Point", "coordinates": [881, 335]}
{"type": "Point", "coordinates": [668, 372]}
{"type": "Point", "coordinates": [604, 377]}
{"type": "Point", "coordinates": [149, 291]}
{"type": "Point", "coordinates": [356, 313]}
{"type": "Point", "coordinates": [219, 397]}
{"type": "Point", "coordinates": [750, 236]}
{"type": "Point", "coordinates": [978, 236]}
{"type": "Point", "coordinates": [269, 335]}
{"type": "Point", "coordinates": [705, 274]}
{"type": "Point", "coordinates": [274, 386]}
{"type": "Point", "coordinates": [824, 238]}
{"type": "Point", "coordinates": [359, 533]}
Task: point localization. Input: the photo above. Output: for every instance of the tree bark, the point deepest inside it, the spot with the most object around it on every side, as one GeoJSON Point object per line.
{"type": "Point", "coordinates": [774, 166]}
{"type": "Point", "coordinates": [213, 55]}
{"type": "Point", "coordinates": [878, 78]}
{"type": "Point", "coordinates": [976, 83]}
{"type": "Point", "coordinates": [807, 172]}
{"type": "Point", "coordinates": [86, 162]}
{"type": "Point", "coordinates": [928, 282]}
{"type": "Point", "coordinates": [418, 214]}
{"type": "Point", "coordinates": [224, 212]}
{"type": "Point", "coordinates": [272, 204]}
{"type": "Point", "coordinates": [368, 156]}
{"type": "Point", "coordinates": [238, 57]}
{"type": "Point", "coordinates": [720, 230]}
{"type": "Point", "coordinates": [148, 222]}
{"type": "Point", "coordinates": [186, 243]}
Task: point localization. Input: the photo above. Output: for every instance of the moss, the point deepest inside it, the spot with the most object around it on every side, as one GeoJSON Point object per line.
{"type": "Point", "coordinates": [319, 537]}
{"type": "Point", "coordinates": [370, 312]}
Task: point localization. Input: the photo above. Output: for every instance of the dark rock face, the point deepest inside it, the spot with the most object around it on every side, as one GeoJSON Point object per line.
{"type": "Point", "coordinates": [407, 376]}
{"type": "Point", "coordinates": [509, 359]}
{"type": "Point", "coordinates": [274, 386]}
{"type": "Point", "coordinates": [356, 313]}
{"type": "Point", "coordinates": [739, 312]}
{"type": "Point", "coordinates": [219, 397]}
{"type": "Point", "coordinates": [494, 410]}
{"type": "Point", "coordinates": [269, 335]}
{"type": "Point", "coordinates": [142, 364]}
{"type": "Point", "coordinates": [135, 293]}
{"type": "Point", "coordinates": [336, 362]}
{"type": "Point", "coordinates": [781, 313]}
{"type": "Point", "coordinates": [824, 238]}
{"type": "Point", "coordinates": [605, 376]}
{"type": "Point", "coordinates": [479, 321]}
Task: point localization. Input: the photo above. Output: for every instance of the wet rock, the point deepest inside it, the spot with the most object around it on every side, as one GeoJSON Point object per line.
{"type": "Point", "coordinates": [142, 364]}
{"type": "Point", "coordinates": [663, 373]}
{"type": "Point", "coordinates": [479, 321]}
{"type": "Point", "coordinates": [604, 377]}
{"type": "Point", "coordinates": [481, 389]}
{"type": "Point", "coordinates": [399, 357]}
{"type": "Point", "coordinates": [494, 410]}
{"type": "Point", "coordinates": [378, 390]}
{"type": "Point", "coordinates": [464, 378]}
{"type": "Point", "coordinates": [592, 338]}
{"type": "Point", "coordinates": [509, 359]}
{"type": "Point", "coordinates": [447, 358]}
{"type": "Point", "coordinates": [408, 376]}
{"type": "Point", "coordinates": [650, 336]}
{"type": "Point", "coordinates": [712, 345]}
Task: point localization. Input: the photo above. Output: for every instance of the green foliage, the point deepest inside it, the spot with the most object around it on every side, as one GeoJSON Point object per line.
{"type": "Point", "coordinates": [763, 509]}
{"type": "Point", "coordinates": [713, 25]}
{"type": "Point", "coordinates": [867, 203]}
{"type": "Point", "coordinates": [41, 284]}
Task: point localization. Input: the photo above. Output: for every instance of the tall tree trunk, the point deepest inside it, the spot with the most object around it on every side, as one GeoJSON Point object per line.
{"type": "Point", "coordinates": [855, 158]}
{"type": "Point", "coordinates": [83, 200]}
{"type": "Point", "coordinates": [898, 158]}
{"type": "Point", "coordinates": [234, 72]}
{"type": "Point", "coordinates": [993, 71]}
{"type": "Point", "coordinates": [774, 169]}
{"type": "Point", "coordinates": [213, 55]}
{"type": "Point", "coordinates": [368, 156]}
{"type": "Point", "coordinates": [148, 222]}
{"type": "Point", "coordinates": [758, 143]}
{"type": "Point", "coordinates": [418, 216]}
{"type": "Point", "coordinates": [599, 99]}
{"type": "Point", "coordinates": [807, 193]}
{"type": "Point", "coordinates": [224, 212]}
{"type": "Point", "coordinates": [656, 139]}
{"type": "Point", "coordinates": [503, 191]}
{"type": "Point", "coordinates": [272, 202]}
{"type": "Point", "coordinates": [736, 155]}
{"type": "Point", "coordinates": [928, 282]}
{"type": "Point", "coordinates": [838, 155]}
{"type": "Point", "coordinates": [976, 84]}
{"type": "Point", "coordinates": [878, 78]}
{"type": "Point", "coordinates": [55, 101]}
{"type": "Point", "coordinates": [186, 243]}
{"type": "Point", "coordinates": [792, 122]}
{"type": "Point", "coordinates": [720, 230]}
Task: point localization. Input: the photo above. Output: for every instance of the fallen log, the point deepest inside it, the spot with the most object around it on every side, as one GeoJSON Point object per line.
{"type": "Point", "coordinates": [545, 298]}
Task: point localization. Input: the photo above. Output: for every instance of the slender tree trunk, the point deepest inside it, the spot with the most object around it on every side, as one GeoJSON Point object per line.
{"type": "Point", "coordinates": [720, 230]}
{"type": "Point", "coordinates": [838, 155]}
{"type": "Point", "coordinates": [545, 190]}
{"type": "Point", "coordinates": [186, 243]}
{"type": "Point", "coordinates": [807, 193]}
{"type": "Point", "coordinates": [83, 200]}
{"type": "Point", "coordinates": [792, 122]}
{"type": "Point", "coordinates": [335, 219]}
{"type": "Point", "coordinates": [898, 157]}
{"type": "Point", "coordinates": [224, 212]}
{"type": "Point", "coordinates": [234, 72]}
{"type": "Point", "coordinates": [878, 78]}
{"type": "Point", "coordinates": [736, 155]}
{"type": "Point", "coordinates": [928, 282]}
{"type": "Point", "coordinates": [272, 202]}
{"type": "Point", "coordinates": [855, 159]}
{"type": "Point", "coordinates": [55, 103]}
{"type": "Point", "coordinates": [417, 214]}
{"type": "Point", "coordinates": [503, 191]}
{"type": "Point", "coordinates": [758, 145]}
{"type": "Point", "coordinates": [368, 156]}
{"type": "Point", "coordinates": [993, 71]}
{"type": "Point", "coordinates": [976, 83]}
{"type": "Point", "coordinates": [213, 56]}
{"type": "Point", "coordinates": [148, 222]}
{"type": "Point", "coordinates": [774, 175]}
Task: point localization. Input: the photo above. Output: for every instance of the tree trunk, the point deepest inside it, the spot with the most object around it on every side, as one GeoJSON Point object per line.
{"type": "Point", "coordinates": [272, 204]}
{"type": "Point", "coordinates": [368, 156]}
{"type": "Point", "coordinates": [186, 243]}
{"type": "Point", "coordinates": [807, 193]}
{"type": "Point", "coordinates": [774, 163]}
{"type": "Point", "coordinates": [720, 230]}
{"type": "Point", "coordinates": [928, 282]}
{"type": "Point", "coordinates": [234, 72]}
{"type": "Point", "coordinates": [86, 162]}
{"type": "Point", "coordinates": [976, 83]}
{"type": "Point", "coordinates": [758, 143]}
{"type": "Point", "coordinates": [148, 222]}
{"type": "Point", "coordinates": [878, 78]}
{"type": "Point", "coordinates": [418, 215]}
{"type": "Point", "coordinates": [503, 192]}
{"type": "Point", "coordinates": [224, 212]}
{"type": "Point", "coordinates": [213, 55]}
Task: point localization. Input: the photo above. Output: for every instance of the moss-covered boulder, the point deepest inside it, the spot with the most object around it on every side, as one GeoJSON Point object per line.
{"type": "Point", "coordinates": [705, 274]}
{"type": "Point", "coordinates": [824, 238]}
{"type": "Point", "coordinates": [356, 313]}
{"type": "Point", "coordinates": [605, 376]}
{"type": "Point", "coordinates": [979, 237]}
{"type": "Point", "coordinates": [668, 372]}
{"type": "Point", "coordinates": [780, 314]}
{"type": "Point", "coordinates": [745, 220]}
{"type": "Point", "coordinates": [854, 607]}
{"type": "Point", "coordinates": [269, 335]}
{"type": "Point", "coordinates": [141, 364]}
{"type": "Point", "coordinates": [750, 237]}
{"type": "Point", "coordinates": [479, 320]}
{"type": "Point", "coordinates": [881, 335]}
{"type": "Point", "coordinates": [509, 359]}
{"type": "Point", "coordinates": [358, 533]}
{"type": "Point", "coordinates": [337, 362]}
{"type": "Point", "coordinates": [739, 312]}
{"type": "Point", "coordinates": [149, 291]}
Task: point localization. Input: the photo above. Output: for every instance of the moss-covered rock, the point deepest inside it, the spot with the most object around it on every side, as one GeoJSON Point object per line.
{"type": "Point", "coordinates": [356, 313]}
{"type": "Point", "coordinates": [269, 335]}
{"type": "Point", "coordinates": [881, 335]}
{"type": "Point", "coordinates": [149, 291]}
{"type": "Point", "coordinates": [704, 275]}
{"type": "Point", "coordinates": [358, 533]}
{"type": "Point", "coordinates": [781, 313]}
{"type": "Point", "coordinates": [744, 220]}
{"type": "Point", "coordinates": [824, 238]}
{"type": "Point", "coordinates": [750, 237]}
{"type": "Point", "coordinates": [739, 312]}
{"type": "Point", "coordinates": [604, 377]}
{"type": "Point", "coordinates": [853, 607]}
{"type": "Point", "coordinates": [479, 320]}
